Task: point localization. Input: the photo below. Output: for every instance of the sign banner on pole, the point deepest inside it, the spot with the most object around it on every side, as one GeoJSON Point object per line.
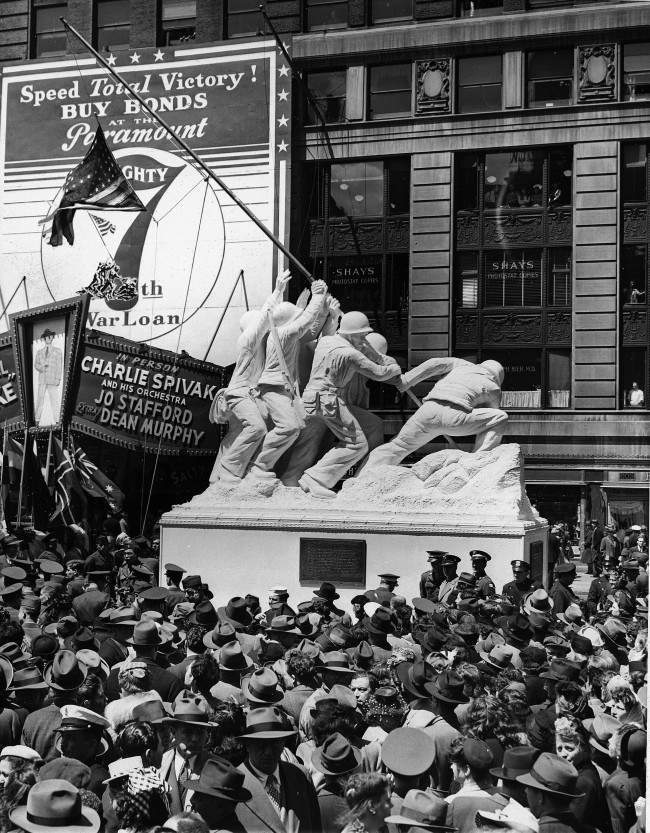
{"type": "Point", "coordinates": [232, 104]}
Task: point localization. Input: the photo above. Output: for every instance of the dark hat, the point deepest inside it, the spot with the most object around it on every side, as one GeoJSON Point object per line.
{"type": "Point", "coordinates": [45, 646]}
{"type": "Point", "coordinates": [477, 753]}
{"type": "Point", "coordinates": [435, 555]}
{"type": "Point", "coordinates": [150, 711]}
{"type": "Point", "coordinates": [432, 639]}
{"type": "Point", "coordinates": [327, 591]}
{"type": "Point", "coordinates": [174, 568]}
{"type": "Point", "coordinates": [28, 679]}
{"type": "Point", "coordinates": [380, 623]}
{"type": "Point", "coordinates": [142, 572]}
{"type": "Point", "coordinates": [66, 672]}
{"type": "Point", "coordinates": [581, 645]}
{"type": "Point", "coordinates": [632, 565]}
{"type": "Point", "coordinates": [518, 564]}
{"type": "Point", "coordinates": [450, 560]}
{"type": "Point", "coordinates": [13, 574]}
{"type": "Point", "coordinates": [145, 634]}
{"type": "Point", "coordinates": [98, 574]}
{"type": "Point", "coordinates": [262, 687]}
{"type": "Point", "coordinates": [232, 658]}
{"type": "Point", "coordinates": [222, 633]}
{"type": "Point", "coordinates": [190, 709]}
{"type": "Point", "coordinates": [532, 656]}
{"type": "Point", "coordinates": [557, 645]}
{"type": "Point", "coordinates": [220, 779]}
{"type": "Point", "coordinates": [479, 555]}
{"type": "Point", "coordinates": [421, 808]}
{"type": "Point", "coordinates": [517, 760]}
{"type": "Point", "coordinates": [12, 590]}
{"type": "Point", "coordinates": [55, 804]}
{"type": "Point", "coordinates": [265, 724]}
{"type": "Point", "coordinates": [154, 594]}
{"type": "Point", "coordinates": [284, 626]}
{"type": "Point", "coordinates": [336, 756]}
{"type": "Point", "coordinates": [414, 676]}
{"type": "Point", "coordinates": [236, 612]}
{"type": "Point", "coordinates": [82, 638]}
{"type": "Point", "coordinates": [633, 743]}
{"type": "Point", "coordinates": [124, 617]}
{"type": "Point", "coordinates": [565, 569]}
{"type": "Point", "coordinates": [336, 638]}
{"type": "Point", "coordinates": [363, 656]}
{"type": "Point", "coordinates": [448, 688]}
{"type": "Point", "coordinates": [517, 628]}
{"type": "Point", "coordinates": [561, 669]}
{"type": "Point", "coordinates": [467, 578]}
{"type": "Point", "coordinates": [47, 332]}
{"type": "Point", "coordinates": [408, 752]}
{"type": "Point", "coordinates": [309, 648]}
{"type": "Point", "coordinates": [424, 606]}
{"type": "Point", "coordinates": [552, 774]}
{"type": "Point", "coordinates": [391, 577]}
{"type": "Point", "coordinates": [15, 655]}
{"type": "Point", "coordinates": [70, 769]}
{"type": "Point", "coordinates": [336, 661]}
{"type": "Point", "coordinates": [498, 659]}
{"type": "Point", "coordinates": [205, 615]}
{"type": "Point", "coordinates": [6, 673]}
{"type": "Point", "coordinates": [601, 728]}
{"type": "Point", "coordinates": [191, 581]}
{"type": "Point", "coordinates": [308, 606]}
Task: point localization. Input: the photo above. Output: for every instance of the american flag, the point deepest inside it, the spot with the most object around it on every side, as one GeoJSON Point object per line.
{"type": "Point", "coordinates": [104, 227]}
{"type": "Point", "coordinates": [96, 182]}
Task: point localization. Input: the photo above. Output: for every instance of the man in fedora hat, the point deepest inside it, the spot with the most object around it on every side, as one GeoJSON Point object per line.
{"type": "Point", "coordinates": [419, 810]}
{"type": "Point", "coordinates": [233, 665]}
{"type": "Point", "coordinates": [447, 692]}
{"type": "Point", "coordinates": [550, 788]}
{"type": "Point", "coordinates": [63, 676]}
{"type": "Point", "coordinates": [55, 804]}
{"type": "Point", "coordinates": [282, 793]}
{"type": "Point", "coordinates": [334, 669]}
{"type": "Point", "coordinates": [237, 614]}
{"type": "Point", "coordinates": [145, 642]}
{"type": "Point", "coordinates": [334, 760]}
{"type": "Point", "coordinates": [327, 593]}
{"type": "Point", "coordinates": [190, 726]}
{"type": "Point", "coordinates": [431, 579]}
{"type": "Point", "coordinates": [517, 760]}
{"type": "Point", "coordinates": [216, 794]}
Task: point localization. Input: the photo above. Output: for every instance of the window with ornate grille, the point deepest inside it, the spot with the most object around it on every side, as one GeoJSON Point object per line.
{"type": "Point", "coordinates": [513, 270]}
{"type": "Point", "coordinates": [634, 279]}
{"type": "Point", "coordinates": [49, 38]}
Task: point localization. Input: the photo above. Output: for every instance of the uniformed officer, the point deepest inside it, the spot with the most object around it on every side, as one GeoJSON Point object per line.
{"type": "Point", "coordinates": [386, 590]}
{"type": "Point", "coordinates": [485, 588]}
{"type": "Point", "coordinates": [522, 585]}
{"type": "Point", "coordinates": [173, 578]}
{"type": "Point", "coordinates": [561, 593]}
{"type": "Point", "coordinates": [601, 587]}
{"type": "Point", "coordinates": [631, 573]}
{"type": "Point", "coordinates": [447, 591]}
{"type": "Point", "coordinates": [430, 580]}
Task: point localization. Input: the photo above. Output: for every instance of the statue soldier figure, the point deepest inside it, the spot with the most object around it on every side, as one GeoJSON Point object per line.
{"type": "Point", "coordinates": [336, 360]}
{"type": "Point", "coordinates": [464, 401]}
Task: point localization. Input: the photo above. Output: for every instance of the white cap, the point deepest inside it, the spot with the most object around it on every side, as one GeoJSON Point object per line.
{"type": "Point", "coordinates": [20, 751]}
{"type": "Point", "coordinates": [123, 767]}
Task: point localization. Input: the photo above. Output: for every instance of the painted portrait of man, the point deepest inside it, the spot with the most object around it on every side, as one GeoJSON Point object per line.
{"type": "Point", "coordinates": [48, 371]}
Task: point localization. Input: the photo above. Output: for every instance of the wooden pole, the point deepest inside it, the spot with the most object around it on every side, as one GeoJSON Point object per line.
{"type": "Point", "coordinates": [240, 277]}
{"type": "Point", "coordinates": [22, 479]}
{"type": "Point", "coordinates": [182, 144]}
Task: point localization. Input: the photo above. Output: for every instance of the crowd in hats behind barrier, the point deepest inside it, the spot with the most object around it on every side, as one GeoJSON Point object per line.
{"type": "Point", "coordinates": [454, 705]}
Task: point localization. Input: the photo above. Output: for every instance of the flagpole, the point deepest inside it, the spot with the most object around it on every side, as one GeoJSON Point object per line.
{"type": "Point", "coordinates": [22, 479]}
{"type": "Point", "coordinates": [3, 491]}
{"type": "Point", "coordinates": [48, 458]}
{"type": "Point", "coordinates": [182, 144]}
{"type": "Point", "coordinates": [240, 277]}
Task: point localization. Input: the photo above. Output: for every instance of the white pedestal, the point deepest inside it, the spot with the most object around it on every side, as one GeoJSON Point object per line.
{"type": "Point", "coordinates": [252, 547]}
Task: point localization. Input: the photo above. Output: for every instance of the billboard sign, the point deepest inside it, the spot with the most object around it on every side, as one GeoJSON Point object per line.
{"type": "Point", "coordinates": [232, 104]}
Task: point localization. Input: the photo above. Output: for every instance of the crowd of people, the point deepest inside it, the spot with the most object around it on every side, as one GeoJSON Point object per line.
{"type": "Point", "coordinates": [136, 707]}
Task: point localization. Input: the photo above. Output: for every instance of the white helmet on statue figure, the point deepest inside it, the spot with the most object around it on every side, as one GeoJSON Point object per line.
{"type": "Point", "coordinates": [354, 323]}
{"type": "Point", "coordinates": [377, 342]}
{"type": "Point", "coordinates": [495, 369]}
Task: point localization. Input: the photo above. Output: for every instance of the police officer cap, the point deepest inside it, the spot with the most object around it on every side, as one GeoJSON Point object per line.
{"type": "Point", "coordinates": [565, 569]}
{"type": "Point", "coordinates": [435, 555]}
{"type": "Point", "coordinates": [519, 565]}
{"type": "Point", "coordinates": [174, 568]}
{"type": "Point", "coordinates": [450, 560]}
{"type": "Point", "coordinates": [154, 594]}
{"type": "Point", "coordinates": [477, 555]}
{"type": "Point", "coordinates": [142, 571]}
{"type": "Point", "coordinates": [388, 576]}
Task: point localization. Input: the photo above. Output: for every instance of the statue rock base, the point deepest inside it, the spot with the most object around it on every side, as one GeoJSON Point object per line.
{"type": "Point", "coordinates": [243, 541]}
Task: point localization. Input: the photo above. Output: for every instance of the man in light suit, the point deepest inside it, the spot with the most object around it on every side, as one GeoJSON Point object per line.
{"type": "Point", "coordinates": [185, 760]}
{"type": "Point", "coordinates": [49, 364]}
{"type": "Point", "coordinates": [283, 797]}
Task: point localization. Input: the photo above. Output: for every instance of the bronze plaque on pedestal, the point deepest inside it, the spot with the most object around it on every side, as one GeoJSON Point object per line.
{"type": "Point", "coordinates": [343, 562]}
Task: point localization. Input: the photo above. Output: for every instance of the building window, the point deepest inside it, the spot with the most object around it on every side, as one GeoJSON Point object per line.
{"type": "Point", "coordinates": [480, 8]}
{"type": "Point", "coordinates": [49, 36]}
{"type": "Point", "coordinates": [385, 11]}
{"type": "Point", "coordinates": [327, 14]}
{"type": "Point", "coordinates": [634, 275]}
{"type": "Point", "coordinates": [636, 71]}
{"type": "Point", "coordinates": [550, 78]}
{"type": "Point", "coordinates": [358, 241]}
{"type": "Point", "coordinates": [243, 18]}
{"type": "Point", "coordinates": [513, 269]}
{"type": "Point", "coordinates": [178, 21]}
{"type": "Point", "coordinates": [113, 24]}
{"type": "Point", "coordinates": [327, 89]}
{"type": "Point", "coordinates": [479, 84]}
{"type": "Point", "coordinates": [390, 91]}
